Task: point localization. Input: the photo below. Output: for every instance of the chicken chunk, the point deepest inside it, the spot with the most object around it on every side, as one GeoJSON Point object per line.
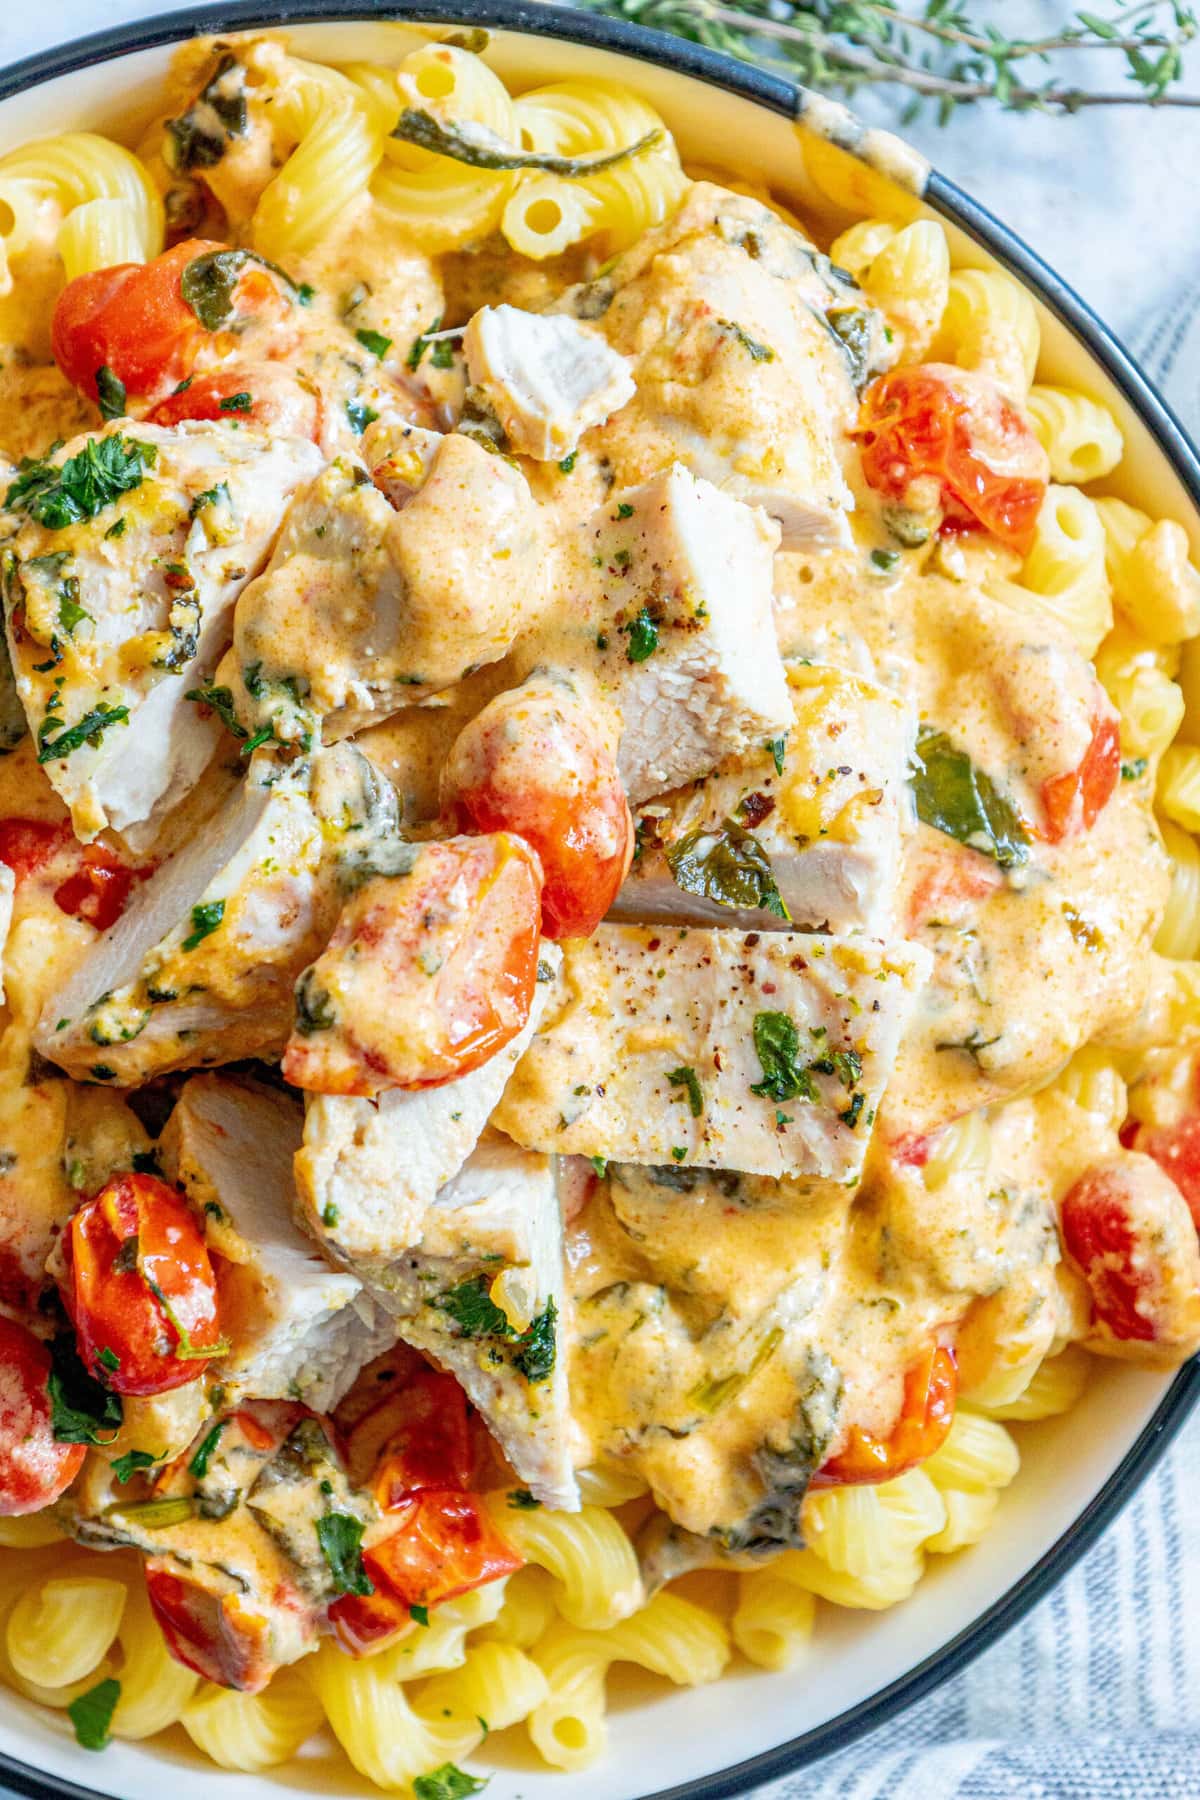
{"type": "Point", "coordinates": [483, 1294]}
{"type": "Point", "coordinates": [370, 1169]}
{"type": "Point", "coordinates": [745, 346]}
{"type": "Point", "coordinates": [675, 624]}
{"type": "Point", "coordinates": [544, 377]}
{"type": "Point", "coordinates": [809, 829]}
{"type": "Point", "coordinates": [713, 1048]}
{"type": "Point", "coordinates": [299, 1329]}
{"type": "Point", "coordinates": [120, 584]}
{"type": "Point", "coordinates": [365, 608]}
{"type": "Point", "coordinates": [200, 966]}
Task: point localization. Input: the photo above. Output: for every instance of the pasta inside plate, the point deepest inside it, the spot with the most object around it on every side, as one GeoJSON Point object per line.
{"type": "Point", "coordinates": [600, 904]}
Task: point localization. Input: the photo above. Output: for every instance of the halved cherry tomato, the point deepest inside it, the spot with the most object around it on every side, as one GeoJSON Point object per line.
{"type": "Point", "coordinates": [446, 1546]}
{"type": "Point", "coordinates": [954, 425]}
{"type": "Point", "coordinates": [259, 394]}
{"type": "Point", "coordinates": [141, 1288]}
{"type": "Point", "coordinates": [947, 884]}
{"type": "Point", "coordinates": [34, 1468]}
{"type": "Point", "coordinates": [427, 975]}
{"type": "Point", "coordinates": [1127, 1226]}
{"type": "Point", "coordinates": [1074, 801]}
{"type": "Point", "coordinates": [926, 1415]}
{"type": "Point", "coordinates": [415, 1438]}
{"type": "Point", "coordinates": [27, 845]}
{"type": "Point", "coordinates": [364, 1623]}
{"type": "Point", "coordinates": [1176, 1150]}
{"type": "Point", "coordinates": [217, 1635]}
{"type": "Point", "coordinates": [533, 762]}
{"type": "Point", "coordinates": [134, 320]}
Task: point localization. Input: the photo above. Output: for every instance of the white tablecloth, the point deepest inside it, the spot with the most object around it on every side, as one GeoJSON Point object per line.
{"type": "Point", "coordinates": [1096, 1696]}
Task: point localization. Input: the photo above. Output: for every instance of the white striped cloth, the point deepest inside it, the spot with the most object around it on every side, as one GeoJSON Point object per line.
{"type": "Point", "coordinates": [1096, 1695]}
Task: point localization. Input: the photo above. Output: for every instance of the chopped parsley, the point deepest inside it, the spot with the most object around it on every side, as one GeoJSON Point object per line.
{"type": "Point", "coordinates": [108, 1360]}
{"type": "Point", "coordinates": [70, 613]}
{"type": "Point", "coordinates": [521, 1500]}
{"type": "Point", "coordinates": [110, 393]}
{"type": "Point", "coordinates": [624, 510]}
{"type": "Point", "coordinates": [600, 1164]}
{"type": "Point", "coordinates": [240, 402]}
{"type": "Point", "coordinates": [688, 1079]}
{"type": "Point", "coordinates": [642, 636]}
{"type": "Point", "coordinates": [1134, 769]}
{"type": "Point", "coordinates": [419, 1615]}
{"type": "Point", "coordinates": [92, 1714]}
{"type": "Point", "coordinates": [447, 1783]}
{"type": "Point", "coordinates": [306, 293]}
{"type": "Point", "coordinates": [87, 730]}
{"type": "Point", "coordinates": [206, 916]}
{"type": "Point", "coordinates": [538, 1348]}
{"type": "Point", "coordinates": [374, 341]}
{"type": "Point", "coordinates": [568, 463]}
{"type": "Point", "coordinates": [330, 1215]}
{"type": "Point", "coordinates": [85, 484]}
{"type": "Point", "coordinates": [884, 560]}
{"type": "Point", "coordinates": [360, 415]}
{"type": "Point", "coordinates": [220, 701]}
{"type": "Point", "coordinates": [777, 749]}
{"type": "Point", "coordinates": [777, 1043]}
{"type": "Point", "coordinates": [340, 1538]}
{"type": "Point", "coordinates": [127, 1466]}
{"type": "Point", "coordinates": [199, 1463]}
{"type": "Point", "coordinates": [441, 350]}
{"type": "Point", "coordinates": [477, 1315]}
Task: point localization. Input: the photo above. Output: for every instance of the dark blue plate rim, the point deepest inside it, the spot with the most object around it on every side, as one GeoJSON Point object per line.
{"type": "Point", "coordinates": [780, 96]}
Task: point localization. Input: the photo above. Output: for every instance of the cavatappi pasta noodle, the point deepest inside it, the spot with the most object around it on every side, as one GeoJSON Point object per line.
{"type": "Point", "coordinates": [600, 893]}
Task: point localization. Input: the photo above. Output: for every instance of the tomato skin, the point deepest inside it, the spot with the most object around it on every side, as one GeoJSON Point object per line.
{"type": "Point", "coordinates": [277, 402]}
{"type": "Point", "coordinates": [926, 1415]}
{"type": "Point", "coordinates": [533, 762]}
{"type": "Point", "coordinates": [214, 1635]}
{"type": "Point", "coordinates": [114, 1308]}
{"type": "Point", "coordinates": [34, 1468]}
{"type": "Point", "coordinates": [415, 1438]}
{"type": "Point", "coordinates": [96, 888]}
{"type": "Point", "coordinates": [1074, 801]}
{"type": "Point", "coordinates": [427, 975]}
{"type": "Point", "coordinates": [1127, 1227]}
{"type": "Point", "coordinates": [937, 420]}
{"type": "Point", "coordinates": [26, 845]}
{"type": "Point", "coordinates": [1176, 1150]}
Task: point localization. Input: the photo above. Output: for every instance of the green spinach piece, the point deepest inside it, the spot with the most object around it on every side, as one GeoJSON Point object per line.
{"type": "Point", "coordinates": [87, 730]}
{"type": "Point", "coordinates": [471, 146]}
{"type": "Point", "coordinates": [92, 1714]}
{"type": "Point", "coordinates": [340, 1538]}
{"type": "Point", "coordinates": [777, 1043]}
{"type": "Point", "coordinates": [82, 1411]}
{"type": "Point", "coordinates": [962, 801]}
{"type": "Point", "coordinates": [727, 864]}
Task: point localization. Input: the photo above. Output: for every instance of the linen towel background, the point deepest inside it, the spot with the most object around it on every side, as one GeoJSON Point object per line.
{"type": "Point", "coordinates": [1096, 1695]}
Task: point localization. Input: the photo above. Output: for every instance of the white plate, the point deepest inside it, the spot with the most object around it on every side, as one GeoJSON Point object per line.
{"type": "Point", "coordinates": [1076, 1472]}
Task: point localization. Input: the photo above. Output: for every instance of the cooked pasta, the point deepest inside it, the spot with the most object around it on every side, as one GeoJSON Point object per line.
{"type": "Point", "coordinates": [518, 525]}
{"type": "Point", "coordinates": [1080, 436]}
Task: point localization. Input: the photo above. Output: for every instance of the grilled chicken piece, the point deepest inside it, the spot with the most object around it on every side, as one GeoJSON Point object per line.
{"type": "Point", "coordinates": [484, 1295]}
{"type": "Point", "coordinates": [825, 831]}
{"type": "Point", "coordinates": [545, 378]}
{"type": "Point", "coordinates": [743, 342]}
{"type": "Point", "coordinates": [765, 1054]}
{"type": "Point", "coordinates": [115, 618]}
{"type": "Point", "coordinates": [370, 1169]}
{"type": "Point", "coordinates": [675, 625]}
{"type": "Point", "coordinates": [364, 609]}
{"type": "Point", "coordinates": [200, 966]}
{"type": "Point", "coordinates": [299, 1329]}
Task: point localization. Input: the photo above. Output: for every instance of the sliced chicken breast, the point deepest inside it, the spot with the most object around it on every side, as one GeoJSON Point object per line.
{"type": "Point", "coordinates": [544, 377]}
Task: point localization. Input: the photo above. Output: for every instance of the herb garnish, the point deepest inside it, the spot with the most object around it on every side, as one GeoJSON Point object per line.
{"type": "Point", "coordinates": [757, 352]}
{"type": "Point", "coordinates": [206, 916]}
{"type": "Point", "coordinates": [110, 393]}
{"type": "Point", "coordinates": [200, 1461]}
{"type": "Point", "coordinates": [81, 1410]}
{"type": "Point", "coordinates": [208, 284]}
{"type": "Point", "coordinates": [477, 1315]}
{"type": "Point", "coordinates": [87, 730]}
{"type": "Point", "coordinates": [340, 1538]}
{"type": "Point", "coordinates": [220, 701]}
{"type": "Point", "coordinates": [955, 797]}
{"type": "Point", "coordinates": [481, 149]}
{"type": "Point", "coordinates": [688, 1079]}
{"type": "Point", "coordinates": [777, 1043]}
{"type": "Point", "coordinates": [194, 143]}
{"type": "Point", "coordinates": [728, 865]}
{"type": "Point", "coordinates": [126, 1467]}
{"type": "Point", "coordinates": [447, 1783]}
{"type": "Point", "coordinates": [84, 485]}
{"type": "Point", "coordinates": [91, 1714]}
{"type": "Point", "coordinates": [374, 341]}
{"type": "Point", "coordinates": [641, 637]}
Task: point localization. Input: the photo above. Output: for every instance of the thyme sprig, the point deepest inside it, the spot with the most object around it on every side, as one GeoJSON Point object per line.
{"type": "Point", "coordinates": [938, 54]}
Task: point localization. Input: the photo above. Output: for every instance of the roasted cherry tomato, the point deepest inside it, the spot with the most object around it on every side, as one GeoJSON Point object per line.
{"type": "Point", "coordinates": [1127, 1226]}
{"type": "Point", "coordinates": [534, 762]}
{"type": "Point", "coordinates": [926, 1415]}
{"type": "Point", "coordinates": [97, 884]}
{"type": "Point", "coordinates": [445, 1546]}
{"type": "Point", "coordinates": [219, 1636]}
{"type": "Point", "coordinates": [416, 1437]}
{"type": "Point", "coordinates": [134, 320]}
{"type": "Point", "coordinates": [27, 845]}
{"type": "Point", "coordinates": [427, 975]}
{"type": "Point", "coordinates": [34, 1468]}
{"type": "Point", "coordinates": [1176, 1150]}
{"type": "Point", "coordinates": [954, 425]}
{"type": "Point", "coordinates": [1074, 801]}
{"type": "Point", "coordinates": [259, 394]}
{"type": "Point", "coordinates": [141, 1288]}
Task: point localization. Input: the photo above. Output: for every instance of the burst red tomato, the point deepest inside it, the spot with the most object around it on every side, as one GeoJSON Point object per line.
{"type": "Point", "coordinates": [1074, 801]}
{"type": "Point", "coordinates": [415, 1438]}
{"type": "Point", "coordinates": [27, 845]}
{"type": "Point", "coordinates": [34, 1468]}
{"type": "Point", "coordinates": [534, 762]}
{"type": "Point", "coordinates": [252, 394]}
{"type": "Point", "coordinates": [1176, 1150]}
{"type": "Point", "coordinates": [134, 320]}
{"type": "Point", "coordinates": [218, 1636]}
{"type": "Point", "coordinates": [445, 1546]}
{"type": "Point", "coordinates": [97, 884]}
{"type": "Point", "coordinates": [427, 975]}
{"type": "Point", "coordinates": [926, 1415]}
{"type": "Point", "coordinates": [141, 1288]}
{"type": "Point", "coordinates": [954, 425]}
{"type": "Point", "coordinates": [1127, 1226]}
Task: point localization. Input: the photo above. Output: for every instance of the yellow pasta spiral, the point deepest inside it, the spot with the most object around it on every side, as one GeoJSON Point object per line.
{"type": "Point", "coordinates": [110, 209]}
